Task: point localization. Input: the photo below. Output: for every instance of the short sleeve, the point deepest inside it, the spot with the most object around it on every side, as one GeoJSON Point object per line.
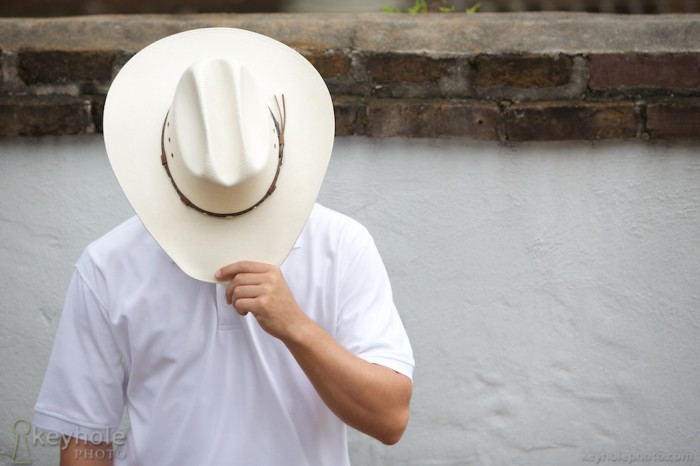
{"type": "Point", "coordinates": [369, 324]}
{"type": "Point", "coordinates": [83, 389]}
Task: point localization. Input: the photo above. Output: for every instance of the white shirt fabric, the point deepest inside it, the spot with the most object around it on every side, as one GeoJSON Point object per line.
{"type": "Point", "coordinates": [203, 385]}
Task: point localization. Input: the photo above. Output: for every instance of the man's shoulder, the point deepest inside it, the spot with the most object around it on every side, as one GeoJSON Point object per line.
{"type": "Point", "coordinates": [131, 232]}
{"type": "Point", "coordinates": [128, 239]}
{"type": "Point", "coordinates": [328, 230]}
{"type": "Point", "coordinates": [328, 222]}
{"type": "Point", "coordinates": [324, 217]}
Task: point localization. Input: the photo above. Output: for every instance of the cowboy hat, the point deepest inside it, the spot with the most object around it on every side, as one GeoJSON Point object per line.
{"type": "Point", "coordinates": [220, 139]}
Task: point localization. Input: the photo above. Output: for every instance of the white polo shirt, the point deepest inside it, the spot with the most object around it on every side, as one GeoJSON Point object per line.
{"type": "Point", "coordinates": [202, 384]}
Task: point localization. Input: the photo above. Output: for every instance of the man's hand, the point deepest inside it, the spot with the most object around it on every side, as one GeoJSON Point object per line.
{"type": "Point", "coordinates": [262, 290]}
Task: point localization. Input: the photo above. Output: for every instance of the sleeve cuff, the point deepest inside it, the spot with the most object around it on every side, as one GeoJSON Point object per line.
{"type": "Point", "coordinates": [402, 367]}
{"type": "Point", "coordinates": [70, 428]}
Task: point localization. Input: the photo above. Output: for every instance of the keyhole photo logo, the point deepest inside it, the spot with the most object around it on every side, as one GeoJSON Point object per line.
{"type": "Point", "coordinates": [27, 436]}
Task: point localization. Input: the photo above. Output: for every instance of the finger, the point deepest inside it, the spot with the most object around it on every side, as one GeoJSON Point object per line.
{"type": "Point", "coordinates": [244, 305]}
{"type": "Point", "coordinates": [247, 278]}
{"type": "Point", "coordinates": [229, 293]}
{"type": "Point", "coordinates": [227, 272]}
{"type": "Point", "coordinates": [244, 291]}
{"type": "Point", "coordinates": [241, 282]}
{"type": "Point", "coordinates": [230, 290]}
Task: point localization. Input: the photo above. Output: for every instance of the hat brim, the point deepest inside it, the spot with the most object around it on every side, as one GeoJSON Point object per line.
{"type": "Point", "coordinates": [136, 105]}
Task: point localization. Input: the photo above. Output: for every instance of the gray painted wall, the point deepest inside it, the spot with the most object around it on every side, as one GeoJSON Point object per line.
{"type": "Point", "coordinates": [552, 291]}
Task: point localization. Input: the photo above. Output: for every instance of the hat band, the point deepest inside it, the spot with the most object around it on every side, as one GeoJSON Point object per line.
{"type": "Point", "coordinates": [279, 125]}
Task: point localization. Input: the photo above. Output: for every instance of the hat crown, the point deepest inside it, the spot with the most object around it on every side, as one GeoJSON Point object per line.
{"type": "Point", "coordinates": [220, 140]}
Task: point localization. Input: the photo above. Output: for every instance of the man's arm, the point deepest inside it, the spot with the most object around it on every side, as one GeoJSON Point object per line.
{"type": "Point", "coordinates": [81, 453]}
{"type": "Point", "coordinates": [370, 398]}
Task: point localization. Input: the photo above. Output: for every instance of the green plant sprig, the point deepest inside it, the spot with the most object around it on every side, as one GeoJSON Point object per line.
{"type": "Point", "coordinates": [421, 6]}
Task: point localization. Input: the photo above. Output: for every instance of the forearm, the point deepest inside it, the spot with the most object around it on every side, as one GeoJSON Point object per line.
{"type": "Point", "coordinates": [370, 398]}
{"type": "Point", "coordinates": [81, 453]}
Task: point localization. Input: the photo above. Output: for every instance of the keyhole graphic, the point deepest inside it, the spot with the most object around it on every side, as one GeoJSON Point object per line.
{"type": "Point", "coordinates": [21, 453]}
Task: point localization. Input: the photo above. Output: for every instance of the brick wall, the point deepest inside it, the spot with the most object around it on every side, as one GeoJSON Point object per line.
{"type": "Point", "coordinates": [506, 77]}
{"type": "Point", "coordinates": [73, 7]}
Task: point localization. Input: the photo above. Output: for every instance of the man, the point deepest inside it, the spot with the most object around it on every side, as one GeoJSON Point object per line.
{"type": "Point", "coordinates": [184, 316]}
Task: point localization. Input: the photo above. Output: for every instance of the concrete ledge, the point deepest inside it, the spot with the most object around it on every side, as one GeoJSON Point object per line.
{"type": "Point", "coordinates": [527, 76]}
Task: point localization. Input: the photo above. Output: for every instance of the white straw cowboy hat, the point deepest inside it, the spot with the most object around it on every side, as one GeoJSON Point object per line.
{"type": "Point", "coordinates": [220, 139]}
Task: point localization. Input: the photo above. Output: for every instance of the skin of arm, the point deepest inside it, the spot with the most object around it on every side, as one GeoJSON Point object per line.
{"type": "Point", "coordinates": [370, 398]}
{"type": "Point", "coordinates": [81, 453]}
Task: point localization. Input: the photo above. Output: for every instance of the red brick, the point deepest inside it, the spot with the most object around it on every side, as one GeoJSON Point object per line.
{"type": "Point", "coordinates": [552, 121]}
{"type": "Point", "coordinates": [45, 115]}
{"type": "Point", "coordinates": [433, 119]}
{"type": "Point", "coordinates": [669, 70]}
{"type": "Point", "coordinates": [674, 120]}
{"type": "Point", "coordinates": [349, 116]}
{"type": "Point", "coordinates": [58, 67]}
{"type": "Point", "coordinates": [396, 67]}
{"type": "Point", "coordinates": [329, 63]}
{"type": "Point", "coordinates": [522, 71]}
